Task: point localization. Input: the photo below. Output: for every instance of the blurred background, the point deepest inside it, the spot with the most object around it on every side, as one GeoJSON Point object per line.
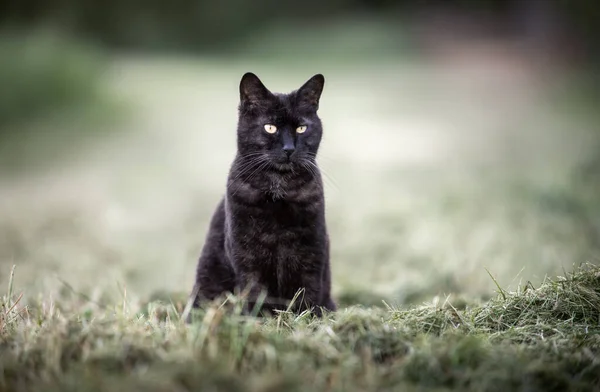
{"type": "Point", "coordinates": [460, 136]}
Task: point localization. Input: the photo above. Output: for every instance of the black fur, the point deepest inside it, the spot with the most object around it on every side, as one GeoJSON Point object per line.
{"type": "Point", "coordinates": [268, 233]}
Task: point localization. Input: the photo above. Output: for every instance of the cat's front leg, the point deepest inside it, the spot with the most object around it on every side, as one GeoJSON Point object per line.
{"type": "Point", "coordinates": [252, 291]}
{"type": "Point", "coordinates": [310, 298]}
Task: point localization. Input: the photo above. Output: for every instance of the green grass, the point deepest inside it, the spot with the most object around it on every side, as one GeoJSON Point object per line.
{"type": "Point", "coordinates": [534, 339]}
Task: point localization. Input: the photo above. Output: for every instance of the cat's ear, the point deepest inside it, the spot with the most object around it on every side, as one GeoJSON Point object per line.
{"type": "Point", "coordinates": [310, 93]}
{"type": "Point", "coordinates": [252, 90]}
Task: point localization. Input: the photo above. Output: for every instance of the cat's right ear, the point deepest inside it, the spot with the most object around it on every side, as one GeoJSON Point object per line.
{"type": "Point", "coordinates": [252, 91]}
{"type": "Point", "coordinates": [310, 93]}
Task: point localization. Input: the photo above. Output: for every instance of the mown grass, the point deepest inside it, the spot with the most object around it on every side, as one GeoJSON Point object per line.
{"type": "Point", "coordinates": [534, 339]}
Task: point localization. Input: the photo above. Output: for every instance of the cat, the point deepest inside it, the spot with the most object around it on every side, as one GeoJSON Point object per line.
{"type": "Point", "coordinates": [268, 233]}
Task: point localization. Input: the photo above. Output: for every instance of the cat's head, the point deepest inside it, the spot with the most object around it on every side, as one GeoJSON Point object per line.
{"type": "Point", "coordinates": [283, 129]}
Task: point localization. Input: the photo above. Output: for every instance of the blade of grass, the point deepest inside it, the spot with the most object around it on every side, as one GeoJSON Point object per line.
{"type": "Point", "coordinates": [10, 286]}
{"type": "Point", "coordinates": [500, 289]}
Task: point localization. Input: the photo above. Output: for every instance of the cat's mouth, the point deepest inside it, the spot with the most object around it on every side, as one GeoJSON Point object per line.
{"type": "Point", "coordinates": [283, 165]}
{"type": "Point", "coordinates": [283, 159]}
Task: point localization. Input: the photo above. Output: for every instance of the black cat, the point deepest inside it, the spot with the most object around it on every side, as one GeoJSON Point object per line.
{"type": "Point", "coordinates": [268, 233]}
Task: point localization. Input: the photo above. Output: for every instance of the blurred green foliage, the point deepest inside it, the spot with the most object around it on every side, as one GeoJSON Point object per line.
{"type": "Point", "coordinates": [213, 25]}
{"type": "Point", "coordinates": [177, 24]}
{"type": "Point", "coordinates": [41, 72]}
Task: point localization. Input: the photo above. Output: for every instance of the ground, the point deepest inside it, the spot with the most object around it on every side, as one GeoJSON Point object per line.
{"type": "Point", "coordinates": [447, 181]}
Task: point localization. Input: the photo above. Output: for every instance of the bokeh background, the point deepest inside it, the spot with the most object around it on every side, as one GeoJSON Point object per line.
{"type": "Point", "coordinates": [460, 136]}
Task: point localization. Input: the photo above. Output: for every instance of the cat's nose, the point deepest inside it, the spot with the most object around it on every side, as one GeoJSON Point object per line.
{"type": "Point", "coordinates": [288, 150]}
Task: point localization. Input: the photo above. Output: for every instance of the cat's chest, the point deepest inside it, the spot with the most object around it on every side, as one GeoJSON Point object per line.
{"type": "Point", "coordinates": [274, 223]}
{"type": "Point", "coordinates": [276, 216]}
{"type": "Point", "coordinates": [277, 188]}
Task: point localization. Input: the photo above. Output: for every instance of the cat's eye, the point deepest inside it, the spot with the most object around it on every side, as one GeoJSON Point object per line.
{"type": "Point", "coordinates": [270, 128]}
{"type": "Point", "coordinates": [301, 129]}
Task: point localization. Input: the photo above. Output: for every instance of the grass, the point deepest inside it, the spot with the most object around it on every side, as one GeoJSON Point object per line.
{"type": "Point", "coordinates": [534, 339]}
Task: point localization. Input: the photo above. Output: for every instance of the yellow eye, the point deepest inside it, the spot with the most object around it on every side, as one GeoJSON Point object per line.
{"type": "Point", "coordinates": [301, 129]}
{"type": "Point", "coordinates": [270, 128]}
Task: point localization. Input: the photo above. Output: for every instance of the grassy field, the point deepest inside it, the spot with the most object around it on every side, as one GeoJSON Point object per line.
{"type": "Point", "coordinates": [454, 190]}
{"type": "Point", "coordinates": [544, 339]}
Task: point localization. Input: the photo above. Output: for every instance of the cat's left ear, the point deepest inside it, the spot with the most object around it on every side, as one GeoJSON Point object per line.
{"type": "Point", "coordinates": [310, 93]}
{"type": "Point", "coordinates": [252, 90]}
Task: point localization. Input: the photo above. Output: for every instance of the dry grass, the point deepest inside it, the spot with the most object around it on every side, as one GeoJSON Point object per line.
{"type": "Point", "coordinates": [535, 339]}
